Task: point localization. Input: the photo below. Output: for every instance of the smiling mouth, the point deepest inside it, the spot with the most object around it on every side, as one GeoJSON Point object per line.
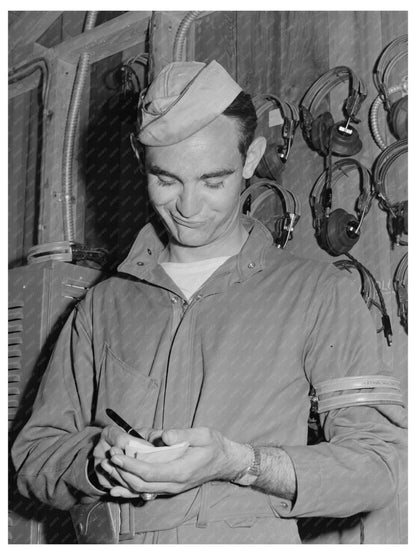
{"type": "Point", "coordinates": [187, 223]}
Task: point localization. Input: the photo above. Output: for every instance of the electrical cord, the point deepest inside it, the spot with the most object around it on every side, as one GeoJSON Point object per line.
{"type": "Point", "coordinates": [400, 286]}
{"type": "Point", "coordinates": [41, 64]}
{"type": "Point", "coordinates": [369, 284]}
{"type": "Point", "coordinates": [374, 114]}
{"type": "Point", "coordinates": [397, 212]}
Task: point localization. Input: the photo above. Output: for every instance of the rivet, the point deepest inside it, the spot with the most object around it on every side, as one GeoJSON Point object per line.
{"type": "Point", "coordinates": [149, 251]}
{"type": "Point", "coordinates": [174, 299]}
{"type": "Point", "coordinates": [140, 263]}
{"type": "Point", "coordinates": [251, 265]}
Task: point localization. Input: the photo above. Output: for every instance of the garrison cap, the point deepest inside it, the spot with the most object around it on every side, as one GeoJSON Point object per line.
{"type": "Point", "coordinates": [182, 99]}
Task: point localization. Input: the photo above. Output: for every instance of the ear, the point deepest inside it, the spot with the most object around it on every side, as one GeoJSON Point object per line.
{"type": "Point", "coordinates": [254, 153]}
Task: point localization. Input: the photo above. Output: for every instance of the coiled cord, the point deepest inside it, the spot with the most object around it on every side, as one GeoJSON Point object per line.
{"type": "Point", "coordinates": [374, 113]}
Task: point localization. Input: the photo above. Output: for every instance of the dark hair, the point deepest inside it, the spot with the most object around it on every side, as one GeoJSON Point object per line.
{"type": "Point", "coordinates": [243, 110]}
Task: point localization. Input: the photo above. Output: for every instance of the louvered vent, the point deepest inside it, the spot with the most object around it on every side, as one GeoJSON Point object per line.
{"type": "Point", "coordinates": [15, 356]}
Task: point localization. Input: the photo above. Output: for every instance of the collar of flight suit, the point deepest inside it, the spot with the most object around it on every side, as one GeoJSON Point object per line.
{"type": "Point", "coordinates": [142, 260]}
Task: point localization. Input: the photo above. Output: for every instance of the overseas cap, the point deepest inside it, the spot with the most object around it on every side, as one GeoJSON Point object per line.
{"type": "Point", "coordinates": [183, 99]}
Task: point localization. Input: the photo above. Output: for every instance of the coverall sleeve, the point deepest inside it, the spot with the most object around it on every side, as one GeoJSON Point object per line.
{"type": "Point", "coordinates": [356, 468]}
{"type": "Point", "coordinates": [51, 452]}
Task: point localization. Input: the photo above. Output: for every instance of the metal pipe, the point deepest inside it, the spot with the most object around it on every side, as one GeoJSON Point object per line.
{"type": "Point", "coordinates": [70, 134]}
{"type": "Point", "coordinates": [179, 42]}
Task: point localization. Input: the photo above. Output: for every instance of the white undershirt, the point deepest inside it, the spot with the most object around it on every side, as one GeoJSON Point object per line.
{"type": "Point", "coordinates": [189, 276]}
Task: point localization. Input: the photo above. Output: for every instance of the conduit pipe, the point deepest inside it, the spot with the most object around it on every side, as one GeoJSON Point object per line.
{"type": "Point", "coordinates": [180, 37]}
{"type": "Point", "coordinates": [70, 134]}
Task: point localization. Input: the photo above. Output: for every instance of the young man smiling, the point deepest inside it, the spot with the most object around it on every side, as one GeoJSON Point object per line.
{"type": "Point", "coordinates": [214, 339]}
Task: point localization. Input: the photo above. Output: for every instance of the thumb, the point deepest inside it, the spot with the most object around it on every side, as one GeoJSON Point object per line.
{"type": "Point", "coordinates": [194, 436]}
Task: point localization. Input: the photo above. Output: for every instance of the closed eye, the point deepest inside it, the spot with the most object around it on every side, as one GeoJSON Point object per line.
{"type": "Point", "coordinates": [165, 182]}
{"type": "Point", "coordinates": [216, 185]}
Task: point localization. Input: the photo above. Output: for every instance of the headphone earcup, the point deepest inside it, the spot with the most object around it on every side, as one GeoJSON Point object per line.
{"type": "Point", "coordinates": [398, 118]}
{"type": "Point", "coordinates": [337, 234]}
{"type": "Point", "coordinates": [271, 165]}
{"type": "Point", "coordinates": [320, 134]}
{"type": "Point", "coordinates": [344, 144]}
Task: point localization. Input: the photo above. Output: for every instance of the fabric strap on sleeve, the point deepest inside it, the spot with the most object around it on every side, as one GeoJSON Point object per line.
{"type": "Point", "coordinates": [357, 390]}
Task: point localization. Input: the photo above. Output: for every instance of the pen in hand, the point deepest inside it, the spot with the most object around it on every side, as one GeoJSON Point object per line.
{"type": "Point", "coordinates": [131, 431]}
{"type": "Point", "coordinates": [123, 424]}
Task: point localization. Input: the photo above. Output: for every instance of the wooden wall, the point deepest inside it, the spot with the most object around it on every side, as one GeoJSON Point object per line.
{"type": "Point", "coordinates": [284, 53]}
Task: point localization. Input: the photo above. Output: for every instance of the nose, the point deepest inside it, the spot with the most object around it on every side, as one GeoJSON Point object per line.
{"type": "Point", "coordinates": [188, 203]}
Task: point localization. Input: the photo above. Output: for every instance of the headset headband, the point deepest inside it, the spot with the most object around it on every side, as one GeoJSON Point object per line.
{"type": "Point", "coordinates": [328, 81]}
{"type": "Point", "coordinates": [321, 201]}
{"type": "Point", "coordinates": [292, 210]}
{"type": "Point", "coordinates": [264, 102]}
{"type": "Point", "coordinates": [387, 61]}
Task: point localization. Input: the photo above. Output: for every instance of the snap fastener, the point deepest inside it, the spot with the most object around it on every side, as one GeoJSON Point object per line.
{"type": "Point", "coordinates": [140, 263]}
{"type": "Point", "coordinates": [284, 504]}
{"type": "Point", "coordinates": [251, 265]}
{"type": "Point", "coordinates": [149, 251]}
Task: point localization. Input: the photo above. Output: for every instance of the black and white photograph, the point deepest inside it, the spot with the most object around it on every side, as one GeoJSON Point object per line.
{"type": "Point", "coordinates": [208, 276]}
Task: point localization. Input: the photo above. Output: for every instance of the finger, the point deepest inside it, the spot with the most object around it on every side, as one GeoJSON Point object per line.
{"type": "Point", "coordinates": [172, 471]}
{"type": "Point", "coordinates": [155, 437]}
{"type": "Point", "coordinates": [115, 451]}
{"type": "Point", "coordinates": [136, 484]}
{"type": "Point", "coordinates": [195, 436]}
{"type": "Point", "coordinates": [114, 474]}
{"type": "Point", "coordinates": [115, 436]}
{"type": "Point", "coordinates": [145, 432]}
{"type": "Point", "coordinates": [119, 491]}
{"type": "Point", "coordinates": [102, 478]}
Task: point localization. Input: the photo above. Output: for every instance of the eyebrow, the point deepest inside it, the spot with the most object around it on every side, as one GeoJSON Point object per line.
{"type": "Point", "coordinates": [156, 170]}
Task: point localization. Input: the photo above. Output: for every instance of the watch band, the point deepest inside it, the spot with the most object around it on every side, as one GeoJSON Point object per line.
{"type": "Point", "coordinates": [249, 475]}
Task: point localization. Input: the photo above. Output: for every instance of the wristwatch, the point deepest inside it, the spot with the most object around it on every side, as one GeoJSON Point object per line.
{"type": "Point", "coordinates": [249, 475]}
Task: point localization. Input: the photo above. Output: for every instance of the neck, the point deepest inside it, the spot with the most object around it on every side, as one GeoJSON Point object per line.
{"type": "Point", "coordinates": [176, 252]}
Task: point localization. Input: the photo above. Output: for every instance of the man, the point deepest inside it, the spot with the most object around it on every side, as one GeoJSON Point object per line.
{"type": "Point", "coordinates": [213, 337]}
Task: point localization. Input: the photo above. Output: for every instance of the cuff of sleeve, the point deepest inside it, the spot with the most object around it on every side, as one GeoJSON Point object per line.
{"type": "Point", "coordinates": [83, 475]}
{"type": "Point", "coordinates": [91, 477]}
{"type": "Point", "coordinates": [308, 485]}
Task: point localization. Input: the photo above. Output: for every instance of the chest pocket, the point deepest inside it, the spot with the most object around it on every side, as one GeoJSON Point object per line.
{"type": "Point", "coordinates": [124, 389]}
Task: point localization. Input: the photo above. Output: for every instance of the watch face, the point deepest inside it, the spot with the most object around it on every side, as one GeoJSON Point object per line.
{"type": "Point", "coordinates": [252, 473]}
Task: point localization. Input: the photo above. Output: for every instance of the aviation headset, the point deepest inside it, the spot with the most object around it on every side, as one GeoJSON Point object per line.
{"type": "Point", "coordinates": [397, 213]}
{"type": "Point", "coordinates": [369, 288]}
{"type": "Point", "coordinates": [319, 129]}
{"type": "Point", "coordinates": [257, 198]}
{"type": "Point", "coordinates": [275, 157]}
{"type": "Point", "coordinates": [337, 231]}
{"type": "Point", "coordinates": [400, 286]}
{"type": "Point", "coordinates": [398, 110]}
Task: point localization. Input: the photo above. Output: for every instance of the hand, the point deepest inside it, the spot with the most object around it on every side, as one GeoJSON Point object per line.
{"type": "Point", "coordinates": [112, 442]}
{"type": "Point", "coordinates": [210, 456]}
